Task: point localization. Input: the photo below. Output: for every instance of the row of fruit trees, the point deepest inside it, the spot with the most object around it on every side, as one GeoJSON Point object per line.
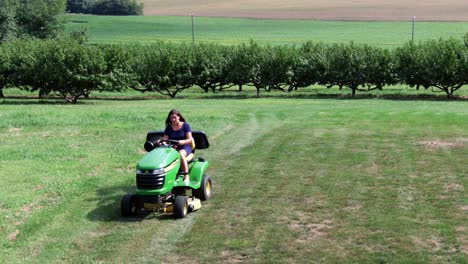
{"type": "Point", "coordinates": [73, 70]}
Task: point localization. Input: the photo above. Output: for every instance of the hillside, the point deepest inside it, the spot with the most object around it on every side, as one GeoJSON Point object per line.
{"type": "Point", "coordinates": [368, 10]}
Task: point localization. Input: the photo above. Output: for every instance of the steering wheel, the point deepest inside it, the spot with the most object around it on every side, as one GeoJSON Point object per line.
{"type": "Point", "coordinates": [169, 142]}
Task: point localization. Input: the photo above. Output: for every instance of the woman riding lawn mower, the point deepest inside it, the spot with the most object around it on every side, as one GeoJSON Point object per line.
{"type": "Point", "coordinates": [160, 187]}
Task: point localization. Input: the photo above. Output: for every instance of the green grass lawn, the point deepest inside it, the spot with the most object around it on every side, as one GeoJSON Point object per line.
{"type": "Point", "coordinates": [234, 30]}
{"type": "Point", "coordinates": [298, 181]}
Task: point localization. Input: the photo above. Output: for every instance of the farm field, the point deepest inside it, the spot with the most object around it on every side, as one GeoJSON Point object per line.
{"type": "Point", "coordinates": [375, 10]}
{"type": "Point", "coordinates": [112, 29]}
{"type": "Point", "coordinates": [303, 180]}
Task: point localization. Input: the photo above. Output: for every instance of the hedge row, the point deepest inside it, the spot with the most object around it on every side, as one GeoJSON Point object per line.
{"type": "Point", "coordinates": [73, 70]}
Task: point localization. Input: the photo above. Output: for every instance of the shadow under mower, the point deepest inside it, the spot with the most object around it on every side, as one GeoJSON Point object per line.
{"type": "Point", "coordinates": [159, 185]}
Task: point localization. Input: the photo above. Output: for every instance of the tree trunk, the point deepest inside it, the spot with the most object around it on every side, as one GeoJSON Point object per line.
{"type": "Point", "coordinates": [240, 87]}
{"type": "Point", "coordinates": [1, 94]}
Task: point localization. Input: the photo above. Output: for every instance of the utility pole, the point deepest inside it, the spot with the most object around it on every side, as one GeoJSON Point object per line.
{"type": "Point", "coordinates": [412, 29]}
{"type": "Point", "coordinates": [193, 31]}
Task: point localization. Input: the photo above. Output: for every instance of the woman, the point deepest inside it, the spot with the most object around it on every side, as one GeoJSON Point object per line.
{"type": "Point", "coordinates": [178, 129]}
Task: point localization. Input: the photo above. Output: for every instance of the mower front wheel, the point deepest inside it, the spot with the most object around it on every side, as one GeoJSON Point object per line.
{"type": "Point", "coordinates": [181, 206]}
{"type": "Point", "coordinates": [128, 205]}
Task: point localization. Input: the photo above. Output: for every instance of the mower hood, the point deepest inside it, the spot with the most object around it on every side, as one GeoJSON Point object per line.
{"type": "Point", "coordinates": [164, 158]}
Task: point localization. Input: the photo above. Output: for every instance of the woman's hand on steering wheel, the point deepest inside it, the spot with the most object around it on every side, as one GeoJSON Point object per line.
{"type": "Point", "coordinates": [168, 142]}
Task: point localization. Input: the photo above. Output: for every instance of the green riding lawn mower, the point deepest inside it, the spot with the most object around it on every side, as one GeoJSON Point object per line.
{"type": "Point", "coordinates": [160, 187]}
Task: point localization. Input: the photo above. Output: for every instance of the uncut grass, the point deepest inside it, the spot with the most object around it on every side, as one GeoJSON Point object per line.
{"type": "Point", "coordinates": [229, 31]}
{"type": "Point", "coordinates": [295, 180]}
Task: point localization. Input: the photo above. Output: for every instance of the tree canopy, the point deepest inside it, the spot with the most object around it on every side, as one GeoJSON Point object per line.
{"type": "Point", "coordinates": [105, 7]}
{"type": "Point", "coordinates": [31, 18]}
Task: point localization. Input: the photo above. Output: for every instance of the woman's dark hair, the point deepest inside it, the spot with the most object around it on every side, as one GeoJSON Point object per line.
{"type": "Point", "coordinates": [173, 111]}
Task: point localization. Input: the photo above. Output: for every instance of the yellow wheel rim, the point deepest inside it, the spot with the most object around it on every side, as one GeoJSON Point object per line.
{"type": "Point", "coordinates": [208, 188]}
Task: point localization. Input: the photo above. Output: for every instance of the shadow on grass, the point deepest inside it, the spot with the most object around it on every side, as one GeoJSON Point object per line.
{"type": "Point", "coordinates": [108, 207]}
{"type": "Point", "coordinates": [28, 100]}
{"type": "Point", "coordinates": [393, 97]}
{"type": "Point", "coordinates": [32, 101]}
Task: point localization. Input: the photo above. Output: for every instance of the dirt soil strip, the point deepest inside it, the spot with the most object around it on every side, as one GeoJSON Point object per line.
{"type": "Point", "coordinates": [366, 10]}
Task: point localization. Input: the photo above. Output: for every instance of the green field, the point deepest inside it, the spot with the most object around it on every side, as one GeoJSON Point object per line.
{"type": "Point", "coordinates": [234, 30]}
{"type": "Point", "coordinates": [297, 181]}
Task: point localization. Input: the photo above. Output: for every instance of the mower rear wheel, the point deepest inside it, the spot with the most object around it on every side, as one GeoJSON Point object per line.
{"type": "Point", "coordinates": [128, 205]}
{"type": "Point", "coordinates": [205, 192]}
{"type": "Point", "coordinates": [181, 206]}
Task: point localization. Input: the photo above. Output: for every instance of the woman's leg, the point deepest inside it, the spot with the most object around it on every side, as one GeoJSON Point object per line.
{"type": "Point", "coordinates": [183, 162]}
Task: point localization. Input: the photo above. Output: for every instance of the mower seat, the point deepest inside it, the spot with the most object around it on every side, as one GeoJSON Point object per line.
{"type": "Point", "coordinates": [189, 157]}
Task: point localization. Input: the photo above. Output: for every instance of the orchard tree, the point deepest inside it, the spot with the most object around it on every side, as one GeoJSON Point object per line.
{"type": "Point", "coordinates": [276, 68]}
{"type": "Point", "coordinates": [208, 67]}
{"type": "Point", "coordinates": [310, 65]}
{"type": "Point", "coordinates": [357, 67]}
{"type": "Point", "coordinates": [22, 62]}
{"type": "Point", "coordinates": [438, 64]}
{"type": "Point", "coordinates": [446, 64]}
{"type": "Point", "coordinates": [162, 68]}
{"type": "Point", "coordinates": [255, 63]}
{"type": "Point", "coordinates": [240, 64]}
{"type": "Point", "coordinates": [118, 68]}
{"type": "Point", "coordinates": [380, 68]}
{"type": "Point", "coordinates": [409, 69]}
{"type": "Point", "coordinates": [271, 67]}
{"type": "Point", "coordinates": [64, 67]}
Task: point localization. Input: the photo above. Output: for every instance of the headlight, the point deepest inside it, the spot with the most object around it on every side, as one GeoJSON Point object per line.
{"type": "Point", "coordinates": [154, 172]}
{"type": "Point", "coordinates": [158, 171]}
